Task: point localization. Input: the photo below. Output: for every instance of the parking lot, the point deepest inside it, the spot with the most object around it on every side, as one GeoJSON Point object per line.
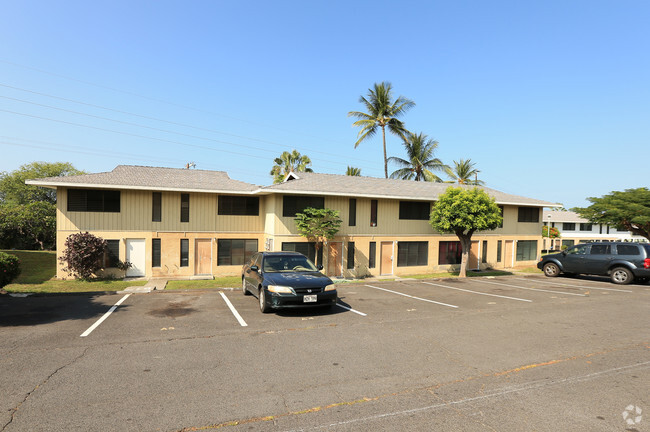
{"type": "Point", "coordinates": [500, 353]}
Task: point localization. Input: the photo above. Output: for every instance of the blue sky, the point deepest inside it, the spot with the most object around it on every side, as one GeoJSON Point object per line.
{"type": "Point", "coordinates": [551, 99]}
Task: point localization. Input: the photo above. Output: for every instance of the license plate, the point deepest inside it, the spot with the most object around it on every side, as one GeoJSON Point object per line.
{"type": "Point", "coordinates": [310, 299]}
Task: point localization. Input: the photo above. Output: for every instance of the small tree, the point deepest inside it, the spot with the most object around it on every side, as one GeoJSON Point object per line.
{"type": "Point", "coordinates": [462, 212]}
{"type": "Point", "coordinates": [82, 256]}
{"type": "Point", "coordinates": [629, 210]}
{"type": "Point", "coordinates": [318, 225]}
{"type": "Point", "coordinates": [9, 268]}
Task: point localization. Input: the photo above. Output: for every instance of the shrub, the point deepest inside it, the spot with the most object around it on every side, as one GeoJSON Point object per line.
{"type": "Point", "coordinates": [82, 256]}
{"type": "Point", "coordinates": [9, 268]}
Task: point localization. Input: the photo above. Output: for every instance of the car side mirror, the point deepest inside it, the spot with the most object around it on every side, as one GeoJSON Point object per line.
{"type": "Point", "coordinates": [319, 267]}
{"type": "Point", "coordinates": [254, 268]}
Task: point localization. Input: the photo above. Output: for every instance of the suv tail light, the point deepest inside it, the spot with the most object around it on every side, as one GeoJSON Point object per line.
{"type": "Point", "coordinates": [646, 263]}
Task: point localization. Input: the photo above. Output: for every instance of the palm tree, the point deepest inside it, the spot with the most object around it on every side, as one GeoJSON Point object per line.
{"type": "Point", "coordinates": [420, 161]}
{"type": "Point", "coordinates": [288, 162]}
{"type": "Point", "coordinates": [351, 171]}
{"type": "Point", "coordinates": [465, 173]}
{"type": "Point", "coordinates": [382, 112]}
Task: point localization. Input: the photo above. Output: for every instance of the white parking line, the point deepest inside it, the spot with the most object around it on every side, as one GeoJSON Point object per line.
{"type": "Point", "coordinates": [579, 286]}
{"type": "Point", "coordinates": [532, 289]}
{"type": "Point", "coordinates": [477, 292]}
{"type": "Point", "coordinates": [410, 296]}
{"type": "Point", "coordinates": [351, 310]}
{"type": "Point", "coordinates": [101, 320]}
{"type": "Point", "coordinates": [233, 310]}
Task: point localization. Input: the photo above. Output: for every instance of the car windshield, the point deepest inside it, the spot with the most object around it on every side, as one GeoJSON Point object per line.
{"type": "Point", "coordinates": [287, 263]}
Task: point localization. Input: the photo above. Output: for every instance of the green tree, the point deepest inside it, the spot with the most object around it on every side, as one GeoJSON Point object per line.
{"type": "Point", "coordinates": [27, 226]}
{"type": "Point", "coordinates": [382, 112]}
{"type": "Point", "coordinates": [629, 210]}
{"type": "Point", "coordinates": [464, 172]}
{"type": "Point", "coordinates": [351, 171]}
{"type": "Point", "coordinates": [462, 212]}
{"type": "Point", "coordinates": [318, 225]}
{"type": "Point", "coordinates": [420, 161]}
{"type": "Point", "coordinates": [13, 189]}
{"type": "Point", "coordinates": [288, 162]}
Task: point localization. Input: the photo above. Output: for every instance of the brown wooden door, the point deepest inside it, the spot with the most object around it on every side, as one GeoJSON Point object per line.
{"type": "Point", "coordinates": [508, 259]}
{"type": "Point", "coordinates": [472, 264]}
{"type": "Point", "coordinates": [334, 259]}
{"type": "Point", "coordinates": [203, 257]}
{"type": "Point", "coordinates": [386, 257]}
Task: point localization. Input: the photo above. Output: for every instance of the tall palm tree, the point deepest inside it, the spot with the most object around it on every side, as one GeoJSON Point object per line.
{"type": "Point", "coordinates": [288, 162]}
{"type": "Point", "coordinates": [382, 112]}
{"type": "Point", "coordinates": [465, 173]}
{"type": "Point", "coordinates": [420, 161]}
{"type": "Point", "coordinates": [351, 171]}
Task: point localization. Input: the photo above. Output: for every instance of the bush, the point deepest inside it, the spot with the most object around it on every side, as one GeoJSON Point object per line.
{"type": "Point", "coordinates": [9, 268]}
{"type": "Point", "coordinates": [83, 254]}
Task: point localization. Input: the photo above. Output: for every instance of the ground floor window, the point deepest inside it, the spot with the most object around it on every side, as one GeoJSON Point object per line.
{"type": "Point", "coordinates": [308, 249]}
{"type": "Point", "coordinates": [235, 251]}
{"type": "Point", "coordinates": [484, 252]}
{"type": "Point", "coordinates": [155, 252]}
{"type": "Point", "coordinates": [526, 250]}
{"type": "Point", "coordinates": [372, 252]}
{"type": "Point", "coordinates": [499, 246]}
{"type": "Point", "coordinates": [412, 254]}
{"type": "Point", "coordinates": [350, 255]}
{"type": "Point", "coordinates": [185, 252]}
{"type": "Point", "coordinates": [112, 253]}
{"type": "Point", "coordinates": [450, 252]}
{"type": "Point", "coordinates": [567, 243]}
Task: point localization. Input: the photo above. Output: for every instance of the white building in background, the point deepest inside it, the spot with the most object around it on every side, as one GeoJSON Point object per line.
{"type": "Point", "coordinates": [575, 229]}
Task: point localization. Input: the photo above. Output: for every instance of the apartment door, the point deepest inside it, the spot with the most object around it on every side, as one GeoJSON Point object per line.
{"type": "Point", "coordinates": [386, 257]}
{"type": "Point", "coordinates": [472, 263]}
{"type": "Point", "coordinates": [508, 260]}
{"type": "Point", "coordinates": [135, 254]}
{"type": "Point", "coordinates": [334, 259]}
{"type": "Point", "coordinates": [203, 257]}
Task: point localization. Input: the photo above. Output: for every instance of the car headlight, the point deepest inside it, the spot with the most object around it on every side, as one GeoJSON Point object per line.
{"type": "Point", "coordinates": [280, 289]}
{"type": "Point", "coordinates": [330, 287]}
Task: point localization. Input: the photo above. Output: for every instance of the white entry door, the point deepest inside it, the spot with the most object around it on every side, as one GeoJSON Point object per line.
{"type": "Point", "coordinates": [135, 254]}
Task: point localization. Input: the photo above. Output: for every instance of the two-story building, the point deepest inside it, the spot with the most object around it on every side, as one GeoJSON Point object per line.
{"type": "Point", "coordinates": [183, 223]}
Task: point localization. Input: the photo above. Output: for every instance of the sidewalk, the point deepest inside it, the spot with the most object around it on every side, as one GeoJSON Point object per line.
{"type": "Point", "coordinates": [153, 284]}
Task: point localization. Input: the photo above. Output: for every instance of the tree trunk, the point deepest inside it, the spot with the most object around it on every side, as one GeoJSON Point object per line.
{"type": "Point", "coordinates": [466, 245]}
{"type": "Point", "coordinates": [383, 135]}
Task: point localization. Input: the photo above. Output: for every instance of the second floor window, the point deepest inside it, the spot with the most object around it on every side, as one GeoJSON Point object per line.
{"type": "Point", "coordinates": [185, 207]}
{"type": "Point", "coordinates": [292, 204]}
{"type": "Point", "coordinates": [93, 200]}
{"type": "Point", "coordinates": [156, 211]}
{"type": "Point", "coordinates": [352, 217]}
{"type": "Point", "coordinates": [414, 210]}
{"type": "Point", "coordinates": [373, 213]}
{"type": "Point", "coordinates": [239, 205]}
{"type": "Point", "coordinates": [528, 214]}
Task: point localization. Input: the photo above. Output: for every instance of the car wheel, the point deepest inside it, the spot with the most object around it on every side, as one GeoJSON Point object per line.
{"type": "Point", "coordinates": [622, 276]}
{"type": "Point", "coordinates": [551, 270]}
{"type": "Point", "coordinates": [243, 287]}
{"type": "Point", "coordinates": [262, 297]}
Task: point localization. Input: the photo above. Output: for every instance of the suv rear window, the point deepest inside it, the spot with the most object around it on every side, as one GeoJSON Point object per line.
{"type": "Point", "coordinates": [627, 250]}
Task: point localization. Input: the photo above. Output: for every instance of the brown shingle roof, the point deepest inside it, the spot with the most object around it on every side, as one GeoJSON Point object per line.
{"type": "Point", "coordinates": [371, 187]}
{"type": "Point", "coordinates": [153, 178]}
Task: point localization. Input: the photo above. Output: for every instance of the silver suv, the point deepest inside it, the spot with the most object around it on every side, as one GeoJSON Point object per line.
{"type": "Point", "coordinates": [622, 262]}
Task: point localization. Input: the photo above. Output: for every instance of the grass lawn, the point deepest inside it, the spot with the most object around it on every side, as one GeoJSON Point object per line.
{"type": "Point", "coordinates": [220, 282]}
{"type": "Point", "coordinates": [39, 267]}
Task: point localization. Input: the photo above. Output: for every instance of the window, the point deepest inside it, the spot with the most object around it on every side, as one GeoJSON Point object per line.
{"type": "Point", "coordinates": [499, 249]}
{"type": "Point", "coordinates": [350, 255]}
{"type": "Point", "coordinates": [112, 253]}
{"type": "Point", "coordinates": [91, 200]}
{"type": "Point", "coordinates": [185, 252]}
{"type": "Point", "coordinates": [412, 254]}
{"type": "Point", "coordinates": [352, 217]}
{"type": "Point", "coordinates": [373, 213]}
{"type": "Point", "coordinates": [185, 207]}
{"type": "Point", "coordinates": [155, 252]}
{"type": "Point", "coordinates": [156, 209]}
{"type": "Point", "coordinates": [292, 204]}
{"type": "Point", "coordinates": [567, 243]}
{"type": "Point", "coordinates": [528, 214]}
{"type": "Point", "coordinates": [235, 251]}
{"type": "Point", "coordinates": [526, 250]}
{"type": "Point", "coordinates": [306, 248]}
{"type": "Point", "coordinates": [568, 226]}
{"type": "Point", "coordinates": [372, 254]}
{"type": "Point", "coordinates": [585, 227]}
{"type": "Point", "coordinates": [414, 210]}
{"type": "Point", "coordinates": [578, 250]}
{"type": "Point", "coordinates": [600, 249]}
{"type": "Point", "coordinates": [484, 252]}
{"type": "Point", "coordinates": [627, 250]}
{"type": "Point", "coordinates": [239, 206]}
{"type": "Point", "coordinates": [449, 252]}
